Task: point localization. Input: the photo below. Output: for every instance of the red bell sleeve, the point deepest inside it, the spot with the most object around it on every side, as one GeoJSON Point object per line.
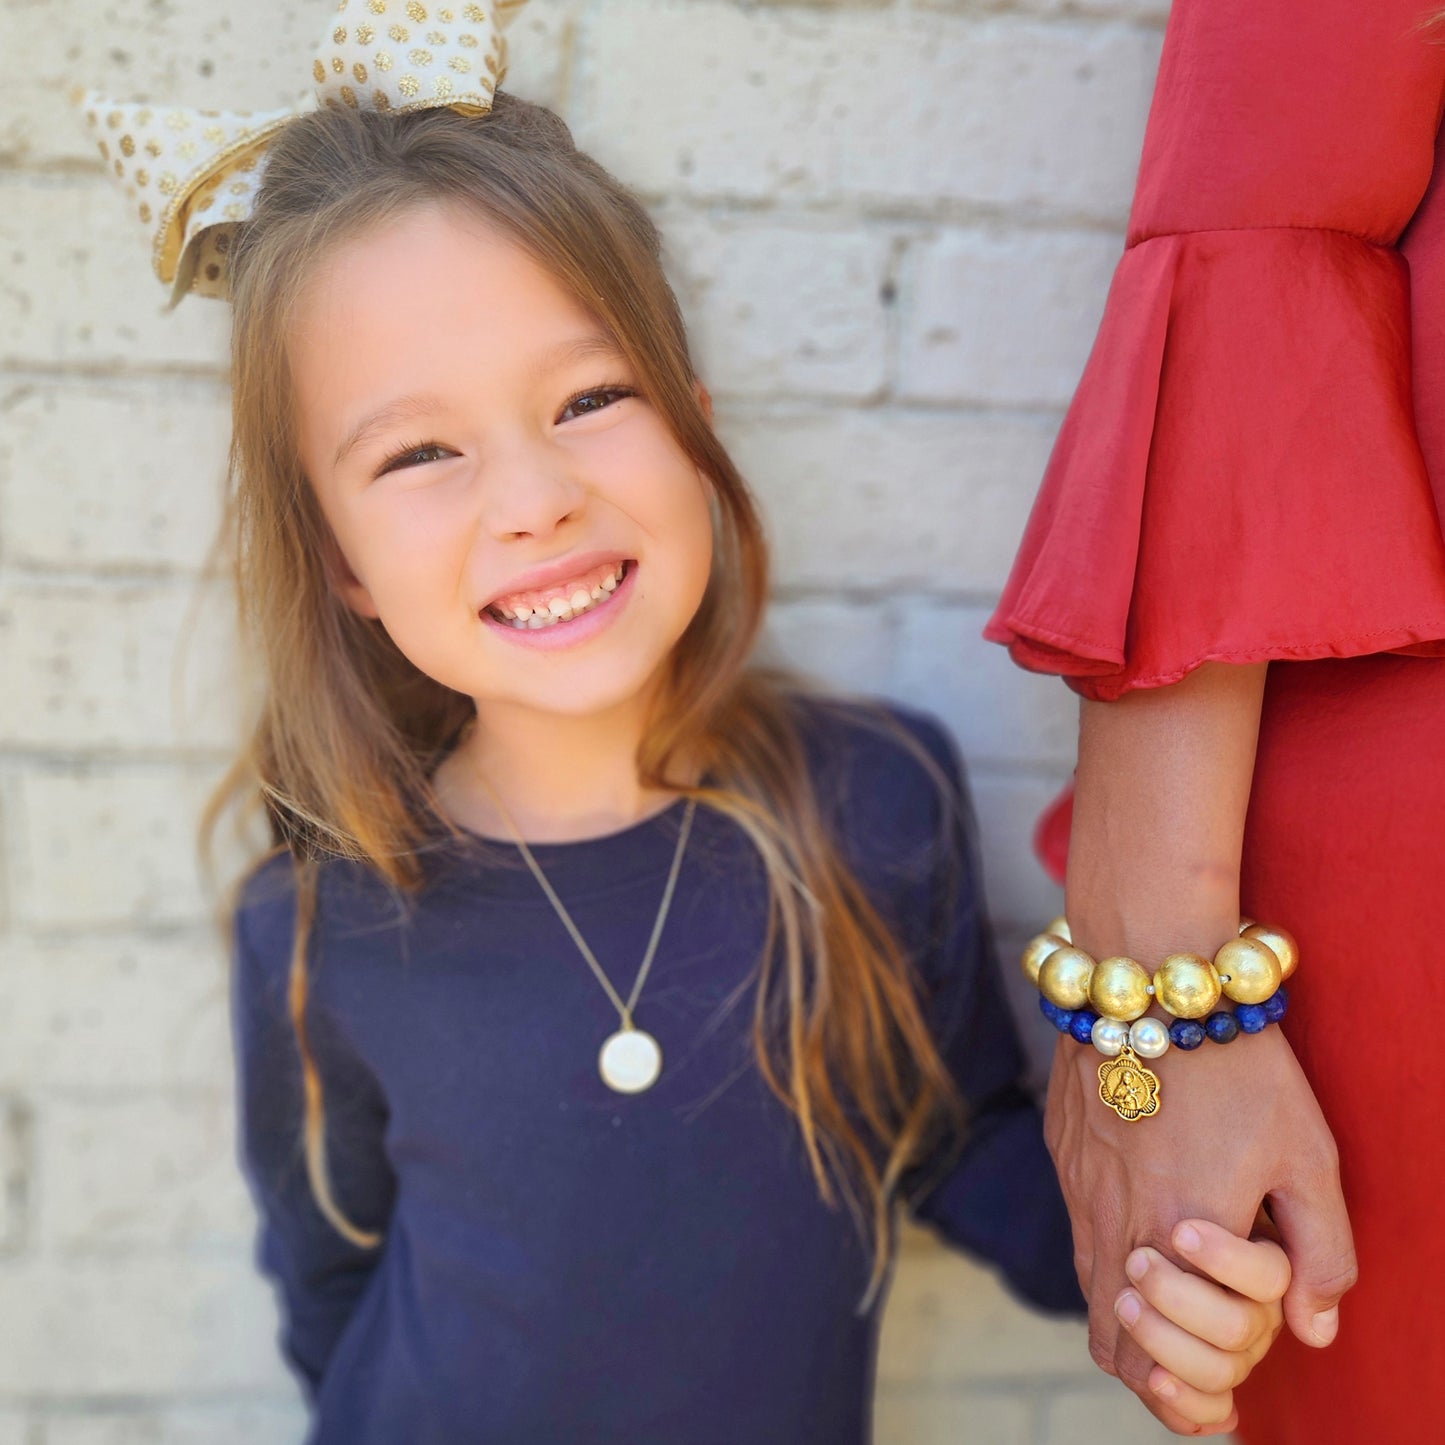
{"type": "Point", "coordinates": [1239, 476]}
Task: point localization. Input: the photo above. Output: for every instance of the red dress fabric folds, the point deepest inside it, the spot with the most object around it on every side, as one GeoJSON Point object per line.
{"type": "Point", "coordinates": [1253, 467]}
{"type": "Point", "coordinates": [1238, 477]}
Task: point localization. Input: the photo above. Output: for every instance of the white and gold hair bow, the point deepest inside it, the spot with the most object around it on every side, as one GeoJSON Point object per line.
{"type": "Point", "coordinates": [192, 175]}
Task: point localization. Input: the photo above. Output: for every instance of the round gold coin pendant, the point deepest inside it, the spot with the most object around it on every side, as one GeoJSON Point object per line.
{"type": "Point", "coordinates": [630, 1061]}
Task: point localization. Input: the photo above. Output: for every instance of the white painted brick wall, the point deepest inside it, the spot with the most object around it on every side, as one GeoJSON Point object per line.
{"type": "Point", "coordinates": [892, 224]}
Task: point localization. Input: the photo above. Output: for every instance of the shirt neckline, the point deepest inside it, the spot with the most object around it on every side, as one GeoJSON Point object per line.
{"type": "Point", "coordinates": [577, 869]}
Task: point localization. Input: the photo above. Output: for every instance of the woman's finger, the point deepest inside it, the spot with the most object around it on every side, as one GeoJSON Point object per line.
{"type": "Point", "coordinates": [1199, 1364]}
{"type": "Point", "coordinates": [1216, 1315]}
{"type": "Point", "coordinates": [1196, 1406]}
{"type": "Point", "coordinates": [1257, 1268]}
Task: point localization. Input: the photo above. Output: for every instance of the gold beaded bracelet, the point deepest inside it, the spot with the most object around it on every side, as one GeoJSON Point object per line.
{"type": "Point", "coordinates": [1105, 1001]}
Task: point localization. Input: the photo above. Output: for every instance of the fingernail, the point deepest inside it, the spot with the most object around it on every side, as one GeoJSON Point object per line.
{"type": "Point", "coordinates": [1137, 1265]}
{"type": "Point", "coordinates": [1167, 1388]}
{"type": "Point", "coordinates": [1186, 1239]}
{"type": "Point", "coordinates": [1326, 1325]}
{"type": "Point", "coordinates": [1127, 1307]}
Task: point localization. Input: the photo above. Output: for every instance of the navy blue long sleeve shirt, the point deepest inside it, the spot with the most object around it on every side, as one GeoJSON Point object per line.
{"type": "Point", "coordinates": [564, 1265]}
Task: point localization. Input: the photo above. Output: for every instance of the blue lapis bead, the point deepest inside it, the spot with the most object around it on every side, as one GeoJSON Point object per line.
{"type": "Point", "coordinates": [1276, 1006]}
{"type": "Point", "coordinates": [1186, 1034]}
{"type": "Point", "coordinates": [1222, 1027]}
{"type": "Point", "coordinates": [1251, 1018]}
{"type": "Point", "coordinates": [1061, 1018]}
{"type": "Point", "coordinates": [1082, 1025]}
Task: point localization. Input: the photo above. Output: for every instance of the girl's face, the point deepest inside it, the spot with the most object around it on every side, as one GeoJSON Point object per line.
{"type": "Point", "coordinates": [516, 514]}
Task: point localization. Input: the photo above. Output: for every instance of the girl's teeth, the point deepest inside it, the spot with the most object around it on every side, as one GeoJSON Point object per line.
{"type": "Point", "coordinates": [559, 609]}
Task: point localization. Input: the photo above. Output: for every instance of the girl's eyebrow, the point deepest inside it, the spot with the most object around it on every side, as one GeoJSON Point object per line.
{"type": "Point", "coordinates": [595, 345]}
{"type": "Point", "coordinates": [403, 408]}
{"type": "Point", "coordinates": [408, 408]}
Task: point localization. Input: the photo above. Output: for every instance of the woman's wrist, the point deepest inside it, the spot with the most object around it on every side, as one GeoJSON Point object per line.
{"type": "Point", "coordinates": [1108, 923]}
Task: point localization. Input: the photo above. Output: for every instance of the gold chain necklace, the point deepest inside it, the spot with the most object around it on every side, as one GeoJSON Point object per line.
{"type": "Point", "coordinates": [631, 1059]}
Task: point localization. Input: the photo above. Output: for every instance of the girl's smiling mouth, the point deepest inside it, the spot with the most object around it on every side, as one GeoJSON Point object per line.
{"type": "Point", "coordinates": [560, 607]}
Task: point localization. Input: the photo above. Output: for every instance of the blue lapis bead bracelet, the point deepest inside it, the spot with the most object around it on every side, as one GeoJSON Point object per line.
{"type": "Point", "coordinates": [1221, 1027]}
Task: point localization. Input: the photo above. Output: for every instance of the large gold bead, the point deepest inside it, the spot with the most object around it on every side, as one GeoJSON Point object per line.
{"type": "Point", "coordinates": [1279, 943]}
{"type": "Point", "coordinates": [1037, 951]}
{"type": "Point", "coordinates": [1187, 986]}
{"type": "Point", "coordinates": [1119, 989]}
{"type": "Point", "coordinates": [1064, 977]}
{"type": "Point", "coordinates": [1060, 929]}
{"type": "Point", "coordinates": [1252, 969]}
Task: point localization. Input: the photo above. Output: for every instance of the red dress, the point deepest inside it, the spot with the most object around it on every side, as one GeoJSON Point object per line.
{"type": "Point", "coordinates": [1254, 468]}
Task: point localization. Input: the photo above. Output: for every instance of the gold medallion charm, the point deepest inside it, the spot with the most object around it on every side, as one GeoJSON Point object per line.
{"type": "Point", "coordinates": [1128, 1086]}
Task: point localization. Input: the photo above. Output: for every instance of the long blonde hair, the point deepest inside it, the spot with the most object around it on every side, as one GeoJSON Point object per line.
{"type": "Point", "coordinates": [350, 731]}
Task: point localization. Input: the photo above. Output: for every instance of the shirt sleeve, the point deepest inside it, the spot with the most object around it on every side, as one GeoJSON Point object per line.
{"type": "Point", "coordinates": [1239, 476]}
{"type": "Point", "coordinates": [999, 1197]}
{"type": "Point", "coordinates": [319, 1274]}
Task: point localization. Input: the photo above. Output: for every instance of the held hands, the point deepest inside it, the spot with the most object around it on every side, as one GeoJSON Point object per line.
{"type": "Point", "coordinates": [1239, 1125]}
{"type": "Point", "coordinates": [1204, 1331]}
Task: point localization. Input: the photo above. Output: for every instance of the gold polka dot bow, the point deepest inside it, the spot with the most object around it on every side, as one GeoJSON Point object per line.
{"type": "Point", "coordinates": [192, 175]}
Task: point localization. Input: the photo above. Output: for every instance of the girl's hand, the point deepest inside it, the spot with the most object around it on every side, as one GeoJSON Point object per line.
{"type": "Point", "coordinates": [1129, 1184]}
{"type": "Point", "coordinates": [1205, 1331]}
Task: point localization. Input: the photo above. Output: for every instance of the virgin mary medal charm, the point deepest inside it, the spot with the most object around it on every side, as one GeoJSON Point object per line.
{"type": "Point", "coordinates": [1128, 1086]}
{"type": "Point", "coordinates": [630, 1061]}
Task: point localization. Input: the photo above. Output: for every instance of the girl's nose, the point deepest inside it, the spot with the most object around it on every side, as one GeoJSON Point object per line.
{"type": "Point", "coordinates": [528, 497]}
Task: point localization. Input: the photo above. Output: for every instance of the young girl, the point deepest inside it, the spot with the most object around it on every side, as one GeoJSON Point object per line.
{"type": "Point", "coordinates": [605, 995]}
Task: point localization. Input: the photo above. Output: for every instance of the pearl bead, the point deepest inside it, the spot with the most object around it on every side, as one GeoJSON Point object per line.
{"type": "Point", "coordinates": [1253, 969]}
{"type": "Point", "coordinates": [1110, 1036]}
{"type": "Point", "coordinates": [1187, 985]}
{"type": "Point", "coordinates": [1148, 1038]}
{"type": "Point", "coordinates": [1119, 988]}
{"type": "Point", "coordinates": [1060, 929]}
{"type": "Point", "coordinates": [1038, 950]}
{"type": "Point", "coordinates": [1064, 977]}
{"type": "Point", "coordinates": [1279, 943]}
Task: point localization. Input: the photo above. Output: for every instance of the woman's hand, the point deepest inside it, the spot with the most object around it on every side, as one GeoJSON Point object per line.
{"type": "Point", "coordinates": [1162, 794]}
{"type": "Point", "coordinates": [1238, 1125]}
{"type": "Point", "coordinates": [1204, 1334]}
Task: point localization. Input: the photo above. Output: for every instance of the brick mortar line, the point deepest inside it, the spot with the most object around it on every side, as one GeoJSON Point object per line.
{"type": "Point", "coordinates": [731, 405]}
{"type": "Point", "coordinates": [51, 758]}
{"type": "Point", "coordinates": [102, 1095]}
{"type": "Point", "coordinates": [83, 1402]}
{"type": "Point", "coordinates": [108, 581]}
{"type": "Point", "coordinates": [78, 764]}
{"type": "Point", "coordinates": [846, 208]}
{"type": "Point", "coordinates": [102, 935]}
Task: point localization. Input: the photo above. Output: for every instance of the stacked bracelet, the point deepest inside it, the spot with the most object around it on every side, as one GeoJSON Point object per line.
{"type": "Point", "coordinates": [1105, 1002]}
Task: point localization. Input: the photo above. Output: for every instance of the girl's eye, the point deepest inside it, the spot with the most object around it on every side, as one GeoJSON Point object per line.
{"type": "Point", "coordinates": [588, 403]}
{"type": "Point", "coordinates": [414, 457]}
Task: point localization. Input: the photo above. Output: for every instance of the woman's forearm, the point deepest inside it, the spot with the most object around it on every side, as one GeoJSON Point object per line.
{"type": "Point", "coordinates": [1160, 800]}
